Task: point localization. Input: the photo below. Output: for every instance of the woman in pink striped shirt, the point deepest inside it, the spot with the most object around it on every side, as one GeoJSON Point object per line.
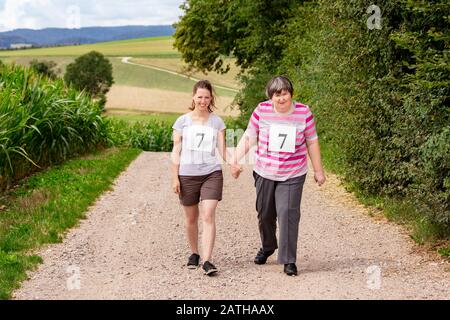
{"type": "Point", "coordinates": [284, 133]}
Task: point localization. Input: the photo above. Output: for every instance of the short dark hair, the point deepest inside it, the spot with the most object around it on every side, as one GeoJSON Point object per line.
{"type": "Point", "coordinates": [204, 84]}
{"type": "Point", "coordinates": [277, 85]}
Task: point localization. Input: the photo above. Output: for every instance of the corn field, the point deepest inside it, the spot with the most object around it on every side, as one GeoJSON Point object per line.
{"type": "Point", "coordinates": [43, 122]}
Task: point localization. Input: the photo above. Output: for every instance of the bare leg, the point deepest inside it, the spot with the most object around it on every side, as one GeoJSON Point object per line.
{"type": "Point", "coordinates": [192, 214]}
{"type": "Point", "coordinates": [209, 227]}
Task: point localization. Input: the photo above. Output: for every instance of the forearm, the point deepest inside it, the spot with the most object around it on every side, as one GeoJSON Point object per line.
{"type": "Point", "coordinates": [175, 159]}
{"type": "Point", "coordinates": [223, 153]}
{"type": "Point", "coordinates": [242, 148]}
{"type": "Point", "coordinates": [175, 170]}
{"type": "Point", "coordinates": [221, 146]}
{"type": "Point", "coordinates": [314, 154]}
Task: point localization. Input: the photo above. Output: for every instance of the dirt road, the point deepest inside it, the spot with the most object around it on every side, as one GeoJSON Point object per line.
{"type": "Point", "coordinates": [132, 246]}
{"type": "Point", "coordinates": [155, 100]}
{"type": "Point", "coordinates": [126, 60]}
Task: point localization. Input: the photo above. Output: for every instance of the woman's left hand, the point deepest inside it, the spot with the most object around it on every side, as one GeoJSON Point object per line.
{"type": "Point", "coordinates": [319, 177]}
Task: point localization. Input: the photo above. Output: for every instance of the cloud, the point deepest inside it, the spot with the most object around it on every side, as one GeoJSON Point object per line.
{"type": "Point", "coordinates": [39, 14]}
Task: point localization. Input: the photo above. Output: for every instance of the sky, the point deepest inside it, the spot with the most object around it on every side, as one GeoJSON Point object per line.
{"type": "Point", "coordinates": [40, 14]}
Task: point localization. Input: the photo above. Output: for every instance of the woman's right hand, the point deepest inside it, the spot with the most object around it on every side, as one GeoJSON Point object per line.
{"type": "Point", "coordinates": [176, 186]}
{"type": "Point", "coordinates": [236, 170]}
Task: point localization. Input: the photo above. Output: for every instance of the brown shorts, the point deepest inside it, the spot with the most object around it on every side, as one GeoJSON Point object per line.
{"type": "Point", "coordinates": [196, 188]}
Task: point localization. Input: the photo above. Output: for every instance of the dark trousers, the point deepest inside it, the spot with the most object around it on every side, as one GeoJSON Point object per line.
{"type": "Point", "coordinates": [279, 200]}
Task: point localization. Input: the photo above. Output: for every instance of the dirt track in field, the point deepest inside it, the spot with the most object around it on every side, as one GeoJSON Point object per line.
{"type": "Point", "coordinates": [155, 100]}
{"type": "Point", "coordinates": [132, 246]}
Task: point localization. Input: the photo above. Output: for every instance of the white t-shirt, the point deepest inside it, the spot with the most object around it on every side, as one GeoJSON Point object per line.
{"type": "Point", "coordinates": [199, 144]}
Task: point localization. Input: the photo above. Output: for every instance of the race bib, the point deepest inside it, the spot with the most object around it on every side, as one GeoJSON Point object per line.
{"type": "Point", "coordinates": [200, 138]}
{"type": "Point", "coordinates": [282, 138]}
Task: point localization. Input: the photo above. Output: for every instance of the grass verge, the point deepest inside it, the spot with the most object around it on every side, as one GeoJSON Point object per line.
{"type": "Point", "coordinates": [41, 208]}
{"type": "Point", "coordinates": [435, 237]}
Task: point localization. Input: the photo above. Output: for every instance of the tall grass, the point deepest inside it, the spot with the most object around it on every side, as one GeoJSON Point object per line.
{"type": "Point", "coordinates": [150, 135]}
{"type": "Point", "coordinates": [43, 122]}
{"type": "Point", "coordinates": [154, 132]}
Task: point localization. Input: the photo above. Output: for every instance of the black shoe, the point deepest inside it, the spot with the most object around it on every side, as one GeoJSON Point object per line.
{"type": "Point", "coordinates": [193, 261]}
{"type": "Point", "coordinates": [261, 256]}
{"type": "Point", "coordinates": [209, 268]}
{"type": "Point", "coordinates": [290, 269]}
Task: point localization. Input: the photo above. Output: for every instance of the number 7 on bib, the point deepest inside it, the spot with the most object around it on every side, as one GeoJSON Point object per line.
{"type": "Point", "coordinates": [200, 138]}
{"type": "Point", "coordinates": [282, 138]}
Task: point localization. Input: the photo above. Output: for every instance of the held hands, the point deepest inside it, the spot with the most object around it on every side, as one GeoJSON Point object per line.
{"type": "Point", "coordinates": [176, 186]}
{"type": "Point", "coordinates": [236, 170]}
{"type": "Point", "coordinates": [319, 177]}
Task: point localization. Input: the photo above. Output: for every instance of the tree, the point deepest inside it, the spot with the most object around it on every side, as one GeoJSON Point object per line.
{"type": "Point", "coordinates": [248, 30]}
{"type": "Point", "coordinates": [254, 33]}
{"type": "Point", "coordinates": [45, 68]}
{"type": "Point", "coordinates": [91, 72]}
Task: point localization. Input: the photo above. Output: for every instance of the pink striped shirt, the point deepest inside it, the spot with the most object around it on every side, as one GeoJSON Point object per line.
{"type": "Point", "coordinates": [281, 166]}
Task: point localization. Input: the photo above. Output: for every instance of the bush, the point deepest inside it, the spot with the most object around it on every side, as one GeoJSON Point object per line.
{"type": "Point", "coordinates": [381, 96]}
{"type": "Point", "coordinates": [46, 68]}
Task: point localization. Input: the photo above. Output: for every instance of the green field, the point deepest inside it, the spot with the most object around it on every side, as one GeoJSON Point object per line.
{"type": "Point", "coordinates": [157, 52]}
{"type": "Point", "coordinates": [130, 75]}
{"type": "Point", "coordinates": [130, 117]}
{"type": "Point", "coordinates": [227, 80]}
{"type": "Point", "coordinates": [150, 116]}
{"type": "Point", "coordinates": [135, 76]}
{"type": "Point", "coordinates": [145, 47]}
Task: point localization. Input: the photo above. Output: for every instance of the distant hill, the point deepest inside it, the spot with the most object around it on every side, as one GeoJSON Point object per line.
{"type": "Point", "coordinates": [59, 36]}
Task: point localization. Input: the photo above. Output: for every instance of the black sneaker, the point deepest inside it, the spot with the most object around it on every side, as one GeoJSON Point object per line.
{"type": "Point", "coordinates": [290, 269]}
{"type": "Point", "coordinates": [261, 256]}
{"type": "Point", "coordinates": [209, 268]}
{"type": "Point", "coordinates": [193, 261]}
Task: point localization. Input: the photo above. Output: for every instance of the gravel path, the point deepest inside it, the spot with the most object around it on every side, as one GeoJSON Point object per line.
{"type": "Point", "coordinates": [132, 246]}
